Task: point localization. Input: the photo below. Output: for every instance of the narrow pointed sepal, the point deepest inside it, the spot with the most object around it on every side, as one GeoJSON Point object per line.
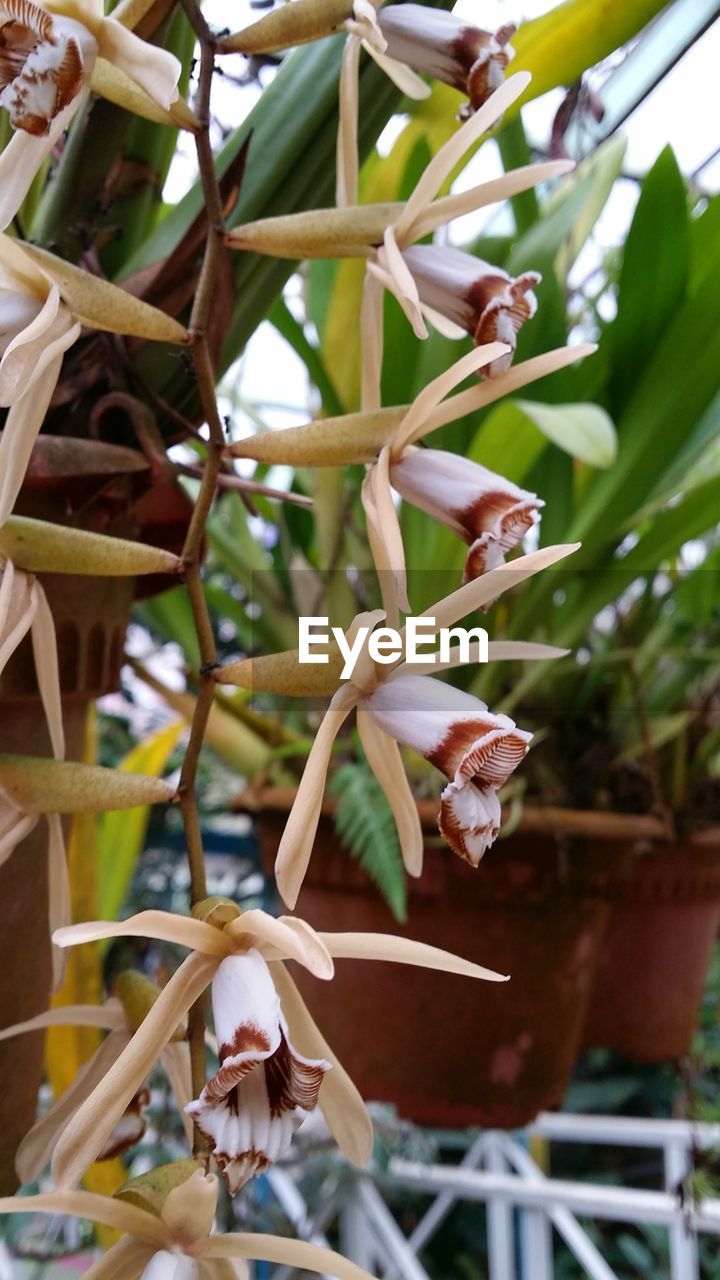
{"type": "Point", "coordinates": [39, 547]}
{"type": "Point", "coordinates": [116, 86]}
{"type": "Point", "coordinates": [35, 784]}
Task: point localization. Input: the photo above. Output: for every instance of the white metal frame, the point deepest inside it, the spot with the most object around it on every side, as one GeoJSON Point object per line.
{"type": "Point", "coordinates": [524, 1207]}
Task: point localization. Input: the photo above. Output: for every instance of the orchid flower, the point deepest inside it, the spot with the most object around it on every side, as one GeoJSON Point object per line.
{"type": "Point", "coordinates": [120, 1017]}
{"type": "Point", "coordinates": [448, 48]}
{"type": "Point", "coordinates": [171, 1240]}
{"type": "Point", "coordinates": [274, 1063]}
{"type": "Point", "coordinates": [51, 56]}
{"type": "Point", "coordinates": [44, 302]}
{"type": "Point", "coordinates": [492, 746]}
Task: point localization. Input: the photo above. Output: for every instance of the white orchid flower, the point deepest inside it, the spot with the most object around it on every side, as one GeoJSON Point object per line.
{"type": "Point", "coordinates": [51, 56]}
{"type": "Point", "coordinates": [44, 302]}
{"type": "Point", "coordinates": [263, 1088]}
{"type": "Point", "coordinates": [448, 48]}
{"type": "Point", "coordinates": [274, 1062]}
{"type": "Point", "coordinates": [171, 1240]}
{"type": "Point", "coordinates": [120, 1017]}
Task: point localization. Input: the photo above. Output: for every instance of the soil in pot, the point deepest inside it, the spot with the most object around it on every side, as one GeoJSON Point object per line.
{"type": "Point", "coordinates": [655, 955]}
{"type": "Point", "coordinates": [446, 1050]}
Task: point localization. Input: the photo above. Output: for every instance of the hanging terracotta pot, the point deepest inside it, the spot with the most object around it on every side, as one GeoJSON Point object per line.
{"type": "Point", "coordinates": [446, 1050]}
{"type": "Point", "coordinates": [93, 486]}
{"type": "Point", "coordinates": [661, 932]}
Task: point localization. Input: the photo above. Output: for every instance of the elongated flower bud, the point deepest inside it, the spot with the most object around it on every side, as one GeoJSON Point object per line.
{"type": "Point", "coordinates": [40, 547]}
{"type": "Point", "coordinates": [481, 298]}
{"type": "Point", "coordinates": [448, 48]}
{"type": "Point", "coordinates": [290, 25]}
{"type": "Point", "coordinates": [349, 232]}
{"type": "Point", "coordinates": [38, 785]}
{"type": "Point", "coordinates": [491, 513]}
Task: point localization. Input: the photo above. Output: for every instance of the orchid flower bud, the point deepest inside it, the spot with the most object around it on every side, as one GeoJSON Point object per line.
{"type": "Point", "coordinates": [480, 298]}
{"type": "Point", "coordinates": [491, 513]}
{"type": "Point", "coordinates": [263, 1089]}
{"type": "Point", "coordinates": [448, 48]}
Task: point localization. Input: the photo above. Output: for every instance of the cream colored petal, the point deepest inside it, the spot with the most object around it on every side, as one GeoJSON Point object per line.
{"type": "Point", "coordinates": [156, 70]}
{"type": "Point", "coordinates": [189, 1209]}
{"type": "Point", "coordinates": [371, 343]}
{"type": "Point", "coordinates": [36, 1148]}
{"type": "Point", "coordinates": [20, 432]}
{"type": "Point", "coordinates": [108, 1016]}
{"type": "Point", "coordinates": [297, 840]}
{"type": "Point", "coordinates": [435, 392]}
{"type": "Point", "coordinates": [163, 925]}
{"type": "Point", "coordinates": [14, 827]}
{"type": "Point", "coordinates": [126, 1260]}
{"type": "Point", "coordinates": [101, 305]}
{"type": "Point", "coordinates": [48, 675]}
{"type": "Point", "coordinates": [386, 763]}
{"type": "Point", "coordinates": [175, 1059]}
{"type": "Point", "coordinates": [340, 1102]}
{"type": "Point", "coordinates": [23, 157]}
{"type": "Point", "coordinates": [397, 950]}
{"type": "Point", "coordinates": [18, 364]}
{"type": "Point", "coordinates": [281, 1249]}
{"type": "Point", "coordinates": [18, 606]}
{"type": "Point", "coordinates": [386, 545]}
{"type": "Point", "coordinates": [93, 1208]}
{"type": "Point", "coordinates": [490, 586]}
{"type": "Point", "coordinates": [485, 393]}
{"type": "Point", "coordinates": [286, 938]}
{"type": "Point", "coordinates": [346, 149]}
{"type": "Point", "coordinates": [497, 651]}
{"type": "Point", "coordinates": [59, 909]}
{"type": "Point", "coordinates": [405, 79]}
{"type": "Point", "coordinates": [444, 162]}
{"type": "Point", "coordinates": [447, 328]}
{"type": "Point", "coordinates": [91, 1126]}
{"type": "Point", "coordinates": [510, 184]}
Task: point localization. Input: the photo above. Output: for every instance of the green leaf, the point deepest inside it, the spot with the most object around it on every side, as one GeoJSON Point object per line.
{"type": "Point", "coordinates": [654, 275]}
{"type": "Point", "coordinates": [585, 431]}
{"type": "Point", "coordinates": [365, 825]}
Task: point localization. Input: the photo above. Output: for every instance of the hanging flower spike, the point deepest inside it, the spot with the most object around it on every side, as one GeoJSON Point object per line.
{"type": "Point", "coordinates": [290, 1078]}
{"type": "Point", "coordinates": [48, 56]}
{"type": "Point", "coordinates": [44, 302]}
{"type": "Point", "coordinates": [489, 512]}
{"type": "Point", "coordinates": [475, 749]}
{"type": "Point", "coordinates": [170, 1239]}
{"type": "Point", "coordinates": [121, 1017]}
{"type": "Point", "coordinates": [481, 299]}
{"type": "Point", "coordinates": [263, 1089]}
{"type": "Point", "coordinates": [447, 48]}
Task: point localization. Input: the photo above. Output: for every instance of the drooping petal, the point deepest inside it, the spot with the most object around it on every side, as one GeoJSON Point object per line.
{"type": "Point", "coordinates": [397, 950]}
{"type": "Point", "coordinates": [36, 1148]}
{"type": "Point", "coordinates": [47, 671]}
{"type": "Point", "coordinates": [386, 763]}
{"type": "Point", "coordinates": [18, 606]}
{"type": "Point", "coordinates": [59, 909]}
{"type": "Point", "coordinates": [346, 157]}
{"type": "Point", "coordinates": [345, 1112]}
{"type": "Point", "coordinates": [51, 331]}
{"type": "Point", "coordinates": [93, 1123]}
{"type": "Point", "coordinates": [297, 840]}
{"type": "Point", "coordinates": [125, 1260]}
{"type": "Point", "coordinates": [14, 826]}
{"type": "Point", "coordinates": [24, 156]}
{"type": "Point", "coordinates": [108, 1016]}
{"type": "Point", "coordinates": [20, 432]}
{"type": "Point", "coordinates": [497, 651]}
{"type": "Point", "coordinates": [385, 538]}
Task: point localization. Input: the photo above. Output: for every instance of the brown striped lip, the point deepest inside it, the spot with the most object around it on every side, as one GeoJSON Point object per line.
{"type": "Point", "coordinates": [469, 820]}
{"type": "Point", "coordinates": [483, 750]}
{"type": "Point", "coordinates": [41, 65]}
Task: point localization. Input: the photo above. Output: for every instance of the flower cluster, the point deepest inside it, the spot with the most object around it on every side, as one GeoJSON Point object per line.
{"type": "Point", "coordinates": [274, 1066]}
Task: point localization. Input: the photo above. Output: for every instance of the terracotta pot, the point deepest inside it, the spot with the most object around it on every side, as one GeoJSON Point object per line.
{"type": "Point", "coordinates": [655, 955]}
{"type": "Point", "coordinates": [446, 1050]}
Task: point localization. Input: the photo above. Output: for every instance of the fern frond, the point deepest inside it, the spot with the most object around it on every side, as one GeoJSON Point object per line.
{"type": "Point", "coordinates": [366, 827]}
